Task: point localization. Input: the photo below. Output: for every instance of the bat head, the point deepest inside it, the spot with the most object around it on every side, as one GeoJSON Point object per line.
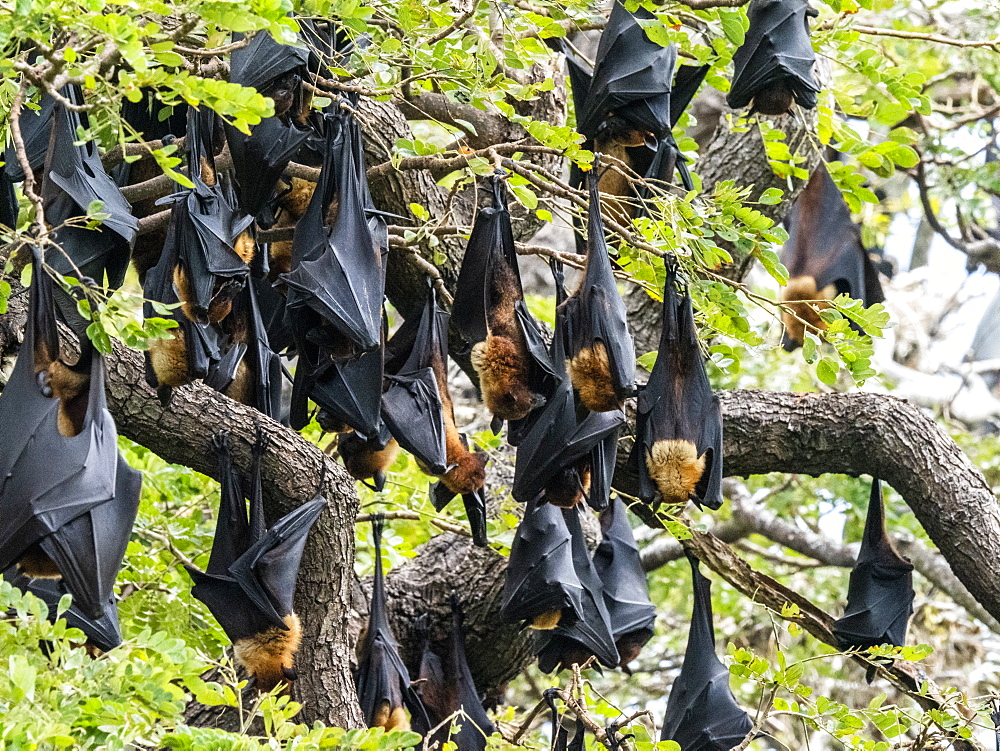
{"type": "Point", "coordinates": [366, 460]}
{"type": "Point", "coordinates": [269, 656]}
{"type": "Point", "coordinates": [803, 305]}
{"type": "Point", "coordinates": [676, 468]}
{"type": "Point", "coordinates": [467, 474]}
{"type": "Point", "coordinates": [776, 99]}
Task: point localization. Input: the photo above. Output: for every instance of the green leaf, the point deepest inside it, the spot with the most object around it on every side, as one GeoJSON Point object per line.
{"type": "Point", "coordinates": [827, 370]}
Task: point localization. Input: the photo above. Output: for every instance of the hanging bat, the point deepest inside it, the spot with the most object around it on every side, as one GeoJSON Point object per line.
{"type": "Point", "coordinates": [489, 313]}
{"type": "Point", "coordinates": [337, 278]}
{"type": "Point", "coordinates": [276, 71]}
{"type": "Point", "coordinates": [825, 258]}
{"type": "Point", "coordinates": [259, 159]}
{"type": "Point", "coordinates": [103, 633]}
{"type": "Point", "coordinates": [382, 681]}
{"type": "Point", "coordinates": [600, 348]}
{"type": "Point", "coordinates": [678, 445]}
{"type": "Point", "coordinates": [249, 584]}
{"type": "Point", "coordinates": [67, 498]}
{"type": "Point", "coordinates": [75, 178]}
{"type": "Point", "coordinates": [774, 66]}
{"type": "Point", "coordinates": [880, 593]}
{"type": "Point", "coordinates": [418, 410]}
{"type": "Point", "coordinates": [626, 594]}
{"type": "Point", "coordinates": [702, 713]}
{"type": "Point", "coordinates": [590, 634]}
{"type": "Point", "coordinates": [447, 689]}
{"type": "Point", "coordinates": [568, 454]}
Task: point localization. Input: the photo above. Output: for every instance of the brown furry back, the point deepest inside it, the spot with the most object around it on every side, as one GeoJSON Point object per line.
{"type": "Point", "coordinates": [168, 359]}
{"type": "Point", "coordinates": [270, 655]}
{"type": "Point", "coordinates": [590, 372]}
{"type": "Point", "coordinates": [363, 462]}
{"type": "Point", "coordinates": [469, 471]}
{"type": "Point", "coordinates": [676, 468]}
{"type": "Point", "coordinates": [502, 366]}
{"type": "Point", "coordinates": [72, 389]}
{"type": "Point", "coordinates": [802, 313]}
{"type": "Point", "coordinates": [36, 564]}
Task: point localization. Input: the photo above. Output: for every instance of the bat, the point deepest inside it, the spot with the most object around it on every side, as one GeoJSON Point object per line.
{"type": "Point", "coordinates": [74, 178]}
{"type": "Point", "coordinates": [824, 256]}
{"type": "Point", "coordinates": [259, 159]}
{"type": "Point", "coordinates": [626, 594]}
{"type": "Point", "coordinates": [567, 455]}
{"type": "Point", "coordinates": [599, 346]}
{"type": "Point", "coordinates": [418, 410]}
{"type": "Point", "coordinates": [8, 200]}
{"type": "Point", "coordinates": [702, 713]}
{"type": "Point", "coordinates": [276, 71]}
{"type": "Point", "coordinates": [67, 498]}
{"type": "Point", "coordinates": [677, 454]}
{"type": "Point", "coordinates": [447, 689]}
{"type": "Point", "coordinates": [249, 584]}
{"type": "Point", "coordinates": [490, 315]}
{"type": "Point", "coordinates": [382, 680]}
{"type": "Point", "coordinates": [337, 278]}
{"type": "Point", "coordinates": [367, 459]}
{"type": "Point", "coordinates": [880, 593]}
{"type": "Point", "coordinates": [668, 155]}
{"type": "Point", "coordinates": [774, 66]}
{"type": "Point", "coordinates": [574, 641]}
{"type": "Point", "coordinates": [103, 633]}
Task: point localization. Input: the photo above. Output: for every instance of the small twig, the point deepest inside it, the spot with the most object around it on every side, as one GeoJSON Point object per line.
{"type": "Point", "coordinates": [416, 516]}
{"type": "Point", "coordinates": [215, 51]}
{"type": "Point", "coordinates": [28, 186]}
{"type": "Point", "coordinates": [916, 35]}
{"type": "Point", "coordinates": [452, 27]}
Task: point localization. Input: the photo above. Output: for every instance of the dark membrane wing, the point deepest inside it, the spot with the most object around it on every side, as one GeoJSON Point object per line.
{"type": "Point", "coordinates": [36, 127]}
{"type": "Point", "coordinates": [626, 594]}
{"type": "Point", "coordinates": [476, 724]}
{"type": "Point", "coordinates": [591, 633]}
{"type": "Point", "coordinates": [351, 392]}
{"type": "Point", "coordinates": [152, 119]}
{"type": "Point", "coordinates": [8, 200]}
{"type": "Point", "coordinates": [263, 60]}
{"type": "Point", "coordinates": [413, 412]}
{"type": "Point", "coordinates": [238, 615]}
{"type": "Point", "coordinates": [678, 402]}
{"type": "Point", "coordinates": [232, 528]}
{"type": "Point", "coordinates": [777, 49]}
{"type": "Point", "coordinates": [475, 509]}
{"type": "Point", "coordinates": [260, 158]}
{"type": "Point", "coordinates": [632, 76]}
{"type": "Point", "coordinates": [268, 570]}
{"type": "Point", "coordinates": [880, 593]}
{"type": "Point", "coordinates": [222, 372]}
{"type": "Point", "coordinates": [687, 81]}
{"type": "Point", "coordinates": [581, 73]}
{"type": "Point", "coordinates": [541, 577]}
{"type": "Point", "coordinates": [103, 632]}
{"type": "Point", "coordinates": [702, 713]}
{"type": "Point", "coordinates": [271, 304]}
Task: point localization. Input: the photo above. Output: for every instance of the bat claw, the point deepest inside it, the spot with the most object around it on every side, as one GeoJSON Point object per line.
{"type": "Point", "coordinates": [164, 394]}
{"type": "Point", "coordinates": [220, 442]}
{"type": "Point", "coordinates": [43, 383]}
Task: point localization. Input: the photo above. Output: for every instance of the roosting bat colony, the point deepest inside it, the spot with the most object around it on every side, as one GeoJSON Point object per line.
{"type": "Point", "coordinates": [68, 500]}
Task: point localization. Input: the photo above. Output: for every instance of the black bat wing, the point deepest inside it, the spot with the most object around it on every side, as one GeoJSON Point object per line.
{"type": "Point", "coordinates": [263, 360]}
{"type": "Point", "coordinates": [8, 200]}
{"type": "Point", "coordinates": [238, 615]}
{"type": "Point", "coordinates": [702, 712]}
{"type": "Point", "coordinates": [541, 577]}
{"type": "Point", "coordinates": [476, 724]}
{"type": "Point", "coordinates": [268, 570]}
{"type": "Point", "coordinates": [264, 60]}
{"type": "Point", "coordinates": [592, 631]}
{"type": "Point", "coordinates": [382, 676]}
{"type": "Point", "coordinates": [351, 392]}
{"type": "Point", "coordinates": [581, 73]}
{"type": "Point", "coordinates": [596, 311]}
{"type": "Point", "coordinates": [687, 81]}
{"type": "Point", "coordinates": [619, 567]}
{"type": "Point", "coordinates": [154, 120]}
{"type": "Point", "coordinates": [260, 158]}
{"type": "Point", "coordinates": [36, 127]}
{"type": "Point", "coordinates": [40, 500]}
{"type": "Point", "coordinates": [880, 593]}
{"type": "Point", "coordinates": [632, 76]}
{"type": "Point", "coordinates": [232, 527]}
{"type": "Point", "coordinates": [103, 632]}
{"type": "Point", "coordinates": [777, 48]}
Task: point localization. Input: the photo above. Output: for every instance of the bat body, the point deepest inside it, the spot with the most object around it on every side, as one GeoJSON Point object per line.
{"type": "Point", "coordinates": [678, 447]}
{"type": "Point", "coordinates": [880, 593]}
{"type": "Point", "coordinates": [623, 580]}
{"type": "Point", "coordinates": [702, 713]}
{"type": "Point", "coordinates": [447, 689]}
{"type": "Point", "coordinates": [824, 256]}
{"type": "Point", "coordinates": [774, 67]}
{"type": "Point", "coordinates": [568, 453]}
{"type": "Point", "coordinates": [67, 498]}
{"type": "Point", "coordinates": [382, 680]}
{"type": "Point", "coordinates": [8, 201]}
{"type": "Point", "coordinates": [249, 585]}
{"type": "Point", "coordinates": [367, 459]}
{"type": "Point", "coordinates": [103, 633]}
{"type": "Point", "coordinates": [598, 343]}
{"type": "Point", "coordinates": [490, 315]}
{"type": "Point", "coordinates": [276, 71]}
{"type": "Point", "coordinates": [75, 178]}
{"type": "Point", "coordinates": [259, 159]}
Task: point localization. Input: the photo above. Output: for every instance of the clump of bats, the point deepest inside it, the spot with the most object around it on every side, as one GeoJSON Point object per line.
{"type": "Point", "coordinates": [239, 304]}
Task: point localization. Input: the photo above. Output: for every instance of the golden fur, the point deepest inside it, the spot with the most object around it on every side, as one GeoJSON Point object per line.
{"type": "Point", "coordinates": [569, 487]}
{"type": "Point", "coordinates": [676, 468]}
{"type": "Point", "coordinates": [362, 462]}
{"type": "Point", "coordinates": [546, 621]}
{"type": "Point", "coordinates": [72, 390]}
{"type": "Point", "coordinates": [590, 371]}
{"type": "Point", "coordinates": [805, 302]}
{"type": "Point", "coordinates": [502, 369]}
{"type": "Point", "coordinates": [245, 247]}
{"type": "Point", "coordinates": [468, 470]}
{"type": "Point", "coordinates": [270, 655]}
{"type": "Point", "coordinates": [612, 182]}
{"type": "Point", "coordinates": [168, 358]}
{"type": "Point", "coordinates": [391, 719]}
{"type": "Point", "coordinates": [241, 389]}
{"type": "Point", "coordinates": [207, 172]}
{"type": "Point", "coordinates": [35, 563]}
